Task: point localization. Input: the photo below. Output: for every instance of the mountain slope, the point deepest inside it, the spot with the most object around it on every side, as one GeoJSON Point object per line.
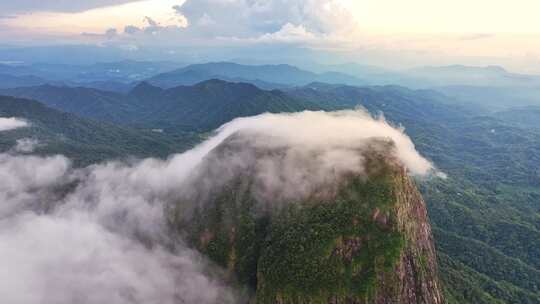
{"type": "Point", "coordinates": [525, 117]}
{"type": "Point", "coordinates": [208, 105]}
{"type": "Point", "coordinates": [83, 140]}
{"type": "Point", "coordinates": [84, 102]}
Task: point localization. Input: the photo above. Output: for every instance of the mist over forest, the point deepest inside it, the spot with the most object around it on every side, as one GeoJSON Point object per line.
{"type": "Point", "coordinates": [306, 151]}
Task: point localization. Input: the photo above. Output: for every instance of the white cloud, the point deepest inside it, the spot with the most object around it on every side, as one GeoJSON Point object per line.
{"type": "Point", "coordinates": [26, 179]}
{"type": "Point", "coordinates": [333, 129]}
{"type": "Point", "coordinates": [208, 23]}
{"type": "Point", "coordinates": [288, 33]}
{"type": "Point", "coordinates": [288, 165]}
{"type": "Point", "coordinates": [62, 244]}
{"type": "Point", "coordinates": [64, 260]}
{"type": "Point", "coordinates": [26, 145]}
{"type": "Point", "coordinates": [257, 18]}
{"type": "Point", "coordinates": [10, 123]}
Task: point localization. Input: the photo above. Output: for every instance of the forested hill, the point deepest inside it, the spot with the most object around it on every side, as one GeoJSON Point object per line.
{"type": "Point", "coordinates": [358, 237]}
{"type": "Point", "coordinates": [83, 140]}
{"type": "Point", "coordinates": [265, 76]}
{"type": "Point", "coordinates": [202, 107]}
{"type": "Point", "coordinates": [209, 104]}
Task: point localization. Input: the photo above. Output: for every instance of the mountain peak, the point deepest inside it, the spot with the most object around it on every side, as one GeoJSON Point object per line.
{"type": "Point", "coordinates": [212, 82]}
{"type": "Point", "coordinates": [219, 83]}
{"type": "Point", "coordinates": [353, 238]}
{"type": "Point", "coordinates": [144, 88]}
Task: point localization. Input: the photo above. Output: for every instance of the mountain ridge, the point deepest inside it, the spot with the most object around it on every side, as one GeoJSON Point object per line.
{"type": "Point", "coordinates": [268, 76]}
{"type": "Point", "coordinates": [83, 140]}
{"type": "Point", "coordinates": [203, 106]}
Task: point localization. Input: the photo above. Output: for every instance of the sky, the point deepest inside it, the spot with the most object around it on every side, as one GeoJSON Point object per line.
{"type": "Point", "coordinates": [382, 32]}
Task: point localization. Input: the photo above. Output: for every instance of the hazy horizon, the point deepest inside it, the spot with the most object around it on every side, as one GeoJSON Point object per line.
{"type": "Point", "coordinates": [390, 34]}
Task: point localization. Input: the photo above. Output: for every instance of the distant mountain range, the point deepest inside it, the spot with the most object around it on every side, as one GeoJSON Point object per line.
{"type": "Point", "coordinates": [490, 86]}
{"type": "Point", "coordinates": [438, 76]}
{"type": "Point", "coordinates": [265, 76]}
{"type": "Point", "coordinates": [122, 71]}
{"type": "Point", "coordinates": [202, 107]}
{"type": "Point", "coordinates": [209, 104]}
{"type": "Point", "coordinates": [473, 76]}
{"type": "Point", "coordinates": [492, 98]}
{"type": "Point", "coordinates": [11, 81]}
{"type": "Point", "coordinates": [85, 102]}
{"type": "Point", "coordinates": [118, 76]}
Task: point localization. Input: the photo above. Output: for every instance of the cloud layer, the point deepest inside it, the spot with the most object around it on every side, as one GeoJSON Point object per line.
{"type": "Point", "coordinates": [100, 234]}
{"type": "Point", "coordinates": [10, 123]}
{"type": "Point", "coordinates": [26, 145]}
{"type": "Point", "coordinates": [290, 157]}
{"type": "Point", "coordinates": [257, 18]}
{"type": "Point", "coordinates": [103, 241]}
{"type": "Point", "coordinates": [209, 22]}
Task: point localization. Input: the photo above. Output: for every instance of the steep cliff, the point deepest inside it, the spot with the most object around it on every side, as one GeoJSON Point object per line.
{"type": "Point", "coordinates": [358, 236]}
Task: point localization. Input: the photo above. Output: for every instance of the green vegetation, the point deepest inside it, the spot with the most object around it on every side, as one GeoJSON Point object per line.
{"type": "Point", "coordinates": [490, 200]}
{"type": "Point", "coordinates": [305, 251]}
{"type": "Point", "coordinates": [486, 214]}
{"type": "Point", "coordinates": [301, 257]}
{"type": "Point", "coordinates": [85, 141]}
{"type": "Point", "coordinates": [201, 108]}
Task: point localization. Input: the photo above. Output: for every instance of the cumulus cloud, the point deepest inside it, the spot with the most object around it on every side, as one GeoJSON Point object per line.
{"type": "Point", "coordinates": [256, 18]}
{"type": "Point", "coordinates": [100, 234]}
{"type": "Point", "coordinates": [203, 21]}
{"type": "Point", "coordinates": [288, 33]}
{"type": "Point", "coordinates": [209, 22]}
{"type": "Point", "coordinates": [131, 29]}
{"type": "Point", "coordinates": [108, 34]}
{"type": "Point", "coordinates": [10, 123]}
{"type": "Point", "coordinates": [154, 27]}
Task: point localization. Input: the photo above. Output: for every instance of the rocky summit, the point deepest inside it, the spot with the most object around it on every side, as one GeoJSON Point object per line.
{"type": "Point", "coordinates": [358, 237]}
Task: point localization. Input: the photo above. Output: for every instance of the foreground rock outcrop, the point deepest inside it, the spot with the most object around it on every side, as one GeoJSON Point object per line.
{"type": "Point", "coordinates": [356, 237]}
